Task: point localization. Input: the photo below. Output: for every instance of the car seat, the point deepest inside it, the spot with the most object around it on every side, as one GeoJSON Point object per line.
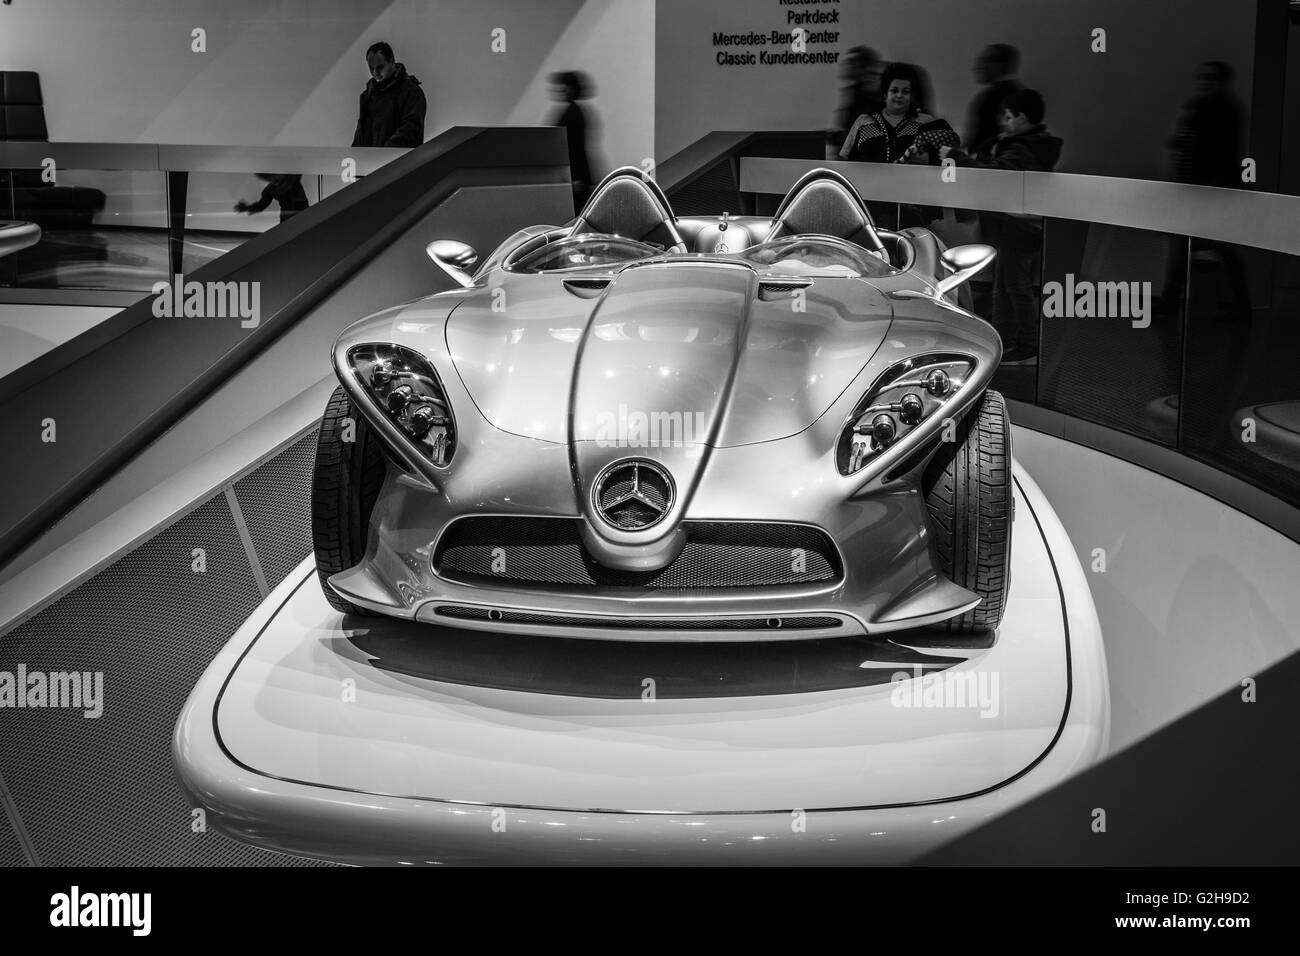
{"type": "Point", "coordinates": [824, 203]}
{"type": "Point", "coordinates": [629, 204]}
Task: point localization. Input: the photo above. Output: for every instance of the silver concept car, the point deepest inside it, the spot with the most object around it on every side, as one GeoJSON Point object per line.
{"type": "Point", "coordinates": [653, 427]}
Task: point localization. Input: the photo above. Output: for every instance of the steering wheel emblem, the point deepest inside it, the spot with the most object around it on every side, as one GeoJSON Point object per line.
{"type": "Point", "coordinates": [633, 494]}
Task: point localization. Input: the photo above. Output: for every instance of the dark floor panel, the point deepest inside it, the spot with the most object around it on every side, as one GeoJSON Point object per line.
{"type": "Point", "coordinates": [103, 791]}
{"type": "Point", "coordinates": [275, 499]}
{"type": "Point", "coordinates": [11, 851]}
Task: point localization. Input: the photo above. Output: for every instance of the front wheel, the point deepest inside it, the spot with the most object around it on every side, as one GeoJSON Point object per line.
{"type": "Point", "coordinates": [968, 496]}
{"type": "Point", "coordinates": [350, 470]}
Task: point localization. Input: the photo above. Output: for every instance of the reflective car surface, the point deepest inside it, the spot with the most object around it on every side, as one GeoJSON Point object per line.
{"type": "Point", "coordinates": [654, 427]}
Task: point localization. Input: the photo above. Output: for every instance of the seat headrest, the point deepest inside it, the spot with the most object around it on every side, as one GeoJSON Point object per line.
{"type": "Point", "coordinates": [825, 203]}
{"type": "Point", "coordinates": [624, 206]}
{"type": "Point", "coordinates": [824, 207]}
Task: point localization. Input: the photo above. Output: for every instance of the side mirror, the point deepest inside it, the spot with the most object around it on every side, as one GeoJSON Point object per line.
{"type": "Point", "coordinates": [454, 258]}
{"type": "Point", "coordinates": [964, 261]}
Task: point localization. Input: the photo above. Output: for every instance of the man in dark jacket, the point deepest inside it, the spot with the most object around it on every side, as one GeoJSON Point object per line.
{"type": "Point", "coordinates": [1023, 144]}
{"type": "Point", "coordinates": [392, 104]}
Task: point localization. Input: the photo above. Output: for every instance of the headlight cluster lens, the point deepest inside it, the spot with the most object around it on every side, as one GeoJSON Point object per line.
{"type": "Point", "coordinates": [405, 386]}
{"type": "Point", "coordinates": [909, 393]}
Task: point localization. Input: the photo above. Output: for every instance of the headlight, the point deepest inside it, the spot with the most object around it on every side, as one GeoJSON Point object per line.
{"type": "Point", "coordinates": [406, 387]}
{"type": "Point", "coordinates": [907, 395]}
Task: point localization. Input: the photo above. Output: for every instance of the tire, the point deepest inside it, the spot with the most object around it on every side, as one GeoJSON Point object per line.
{"type": "Point", "coordinates": [968, 497]}
{"type": "Point", "coordinates": [345, 486]}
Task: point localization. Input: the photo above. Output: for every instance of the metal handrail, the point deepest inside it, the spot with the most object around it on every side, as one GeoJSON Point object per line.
{"type": "Point", "coordinates": [1244, 217]}
{"type": "Point", "coordinates": [164, 157]}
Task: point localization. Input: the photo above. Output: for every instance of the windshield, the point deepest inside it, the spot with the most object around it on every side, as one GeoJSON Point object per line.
{"type": "Point", "coordinates": [584, 252]}
{"type": "Point", "coordinates": [815, 256]}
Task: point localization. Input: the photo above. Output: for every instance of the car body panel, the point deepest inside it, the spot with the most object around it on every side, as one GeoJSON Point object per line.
{"type": "Point", "coordinates": [684, 341]}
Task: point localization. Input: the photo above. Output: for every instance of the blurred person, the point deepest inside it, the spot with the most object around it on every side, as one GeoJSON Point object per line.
{"type": "Point", "coordinates": [283, 188]}
{"type": "Point", "coordinates": [392, 104]}
{"type": "Point", "coordinates": [1206, 145]}
{"type": "Point", "coordinates": [569, 89]}
{"type": "Point", "coordinates": [1024, 143]}
{"type": "Point", "coordinates": [859, 94]}
{"type": "Point", "coordinates": [995, 71]}
{"type": "Point", "coordinates": [1206, 150]}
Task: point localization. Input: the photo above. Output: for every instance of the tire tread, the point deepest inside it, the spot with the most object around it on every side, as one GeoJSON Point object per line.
{"type": "Point", "coordinates": [345, 486]}
{"type": "Point", "coordinates": [969, 503]}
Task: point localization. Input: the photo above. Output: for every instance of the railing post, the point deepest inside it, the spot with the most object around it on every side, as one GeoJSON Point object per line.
{"type": "Point", "coordinates": [177, 188]}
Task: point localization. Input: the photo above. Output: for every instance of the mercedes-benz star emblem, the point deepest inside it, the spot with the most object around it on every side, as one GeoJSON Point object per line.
{"type": "Point", "coordinates": [634, 494]}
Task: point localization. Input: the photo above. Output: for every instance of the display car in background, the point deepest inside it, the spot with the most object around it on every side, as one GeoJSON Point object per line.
{"type": "Point", "coordinates": [654, 427]}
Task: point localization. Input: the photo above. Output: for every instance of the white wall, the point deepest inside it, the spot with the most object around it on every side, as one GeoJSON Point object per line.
{"type": "Point", "coordinates": [1113, 109]}
{"type": "Point", "coordinates": [288, 72]}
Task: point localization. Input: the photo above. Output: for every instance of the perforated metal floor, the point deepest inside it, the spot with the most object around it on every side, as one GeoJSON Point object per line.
{"type": "Point", "coordinates": [102, 791]}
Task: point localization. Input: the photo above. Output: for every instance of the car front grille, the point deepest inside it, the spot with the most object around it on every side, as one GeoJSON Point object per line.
{"type": "Point", "coordinates": [533, 551]}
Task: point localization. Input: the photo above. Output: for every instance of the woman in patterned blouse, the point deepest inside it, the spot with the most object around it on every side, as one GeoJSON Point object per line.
{"type": "Point", "coordinates": [901, 132]}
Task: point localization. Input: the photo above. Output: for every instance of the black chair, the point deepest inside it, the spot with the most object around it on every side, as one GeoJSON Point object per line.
{"type": "Point", "coordinates": [22, 119]}
{"type": "Point", "coordinates": [22, 112]}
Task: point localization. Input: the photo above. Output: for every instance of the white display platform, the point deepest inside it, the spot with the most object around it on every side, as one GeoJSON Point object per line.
{"type": "Point", "coordinates": [370, 740]}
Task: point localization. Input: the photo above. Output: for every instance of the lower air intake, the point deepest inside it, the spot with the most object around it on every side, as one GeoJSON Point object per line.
{"type": "Point", "coordinates": [528, 551]}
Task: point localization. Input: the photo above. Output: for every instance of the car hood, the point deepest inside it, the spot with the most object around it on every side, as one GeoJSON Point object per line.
{"type": "Point", "coordinates": [704, 350]}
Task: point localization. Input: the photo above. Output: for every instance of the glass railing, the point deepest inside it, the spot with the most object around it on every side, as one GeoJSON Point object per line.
{"type": "Point", "coordinates": [120, 217]}
{"type": "Point", "coordinates": [1167, 312]}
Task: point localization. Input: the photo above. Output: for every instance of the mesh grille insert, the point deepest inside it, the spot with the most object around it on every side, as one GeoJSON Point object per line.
{"type": "Point", "coordinates": [717, 554]}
